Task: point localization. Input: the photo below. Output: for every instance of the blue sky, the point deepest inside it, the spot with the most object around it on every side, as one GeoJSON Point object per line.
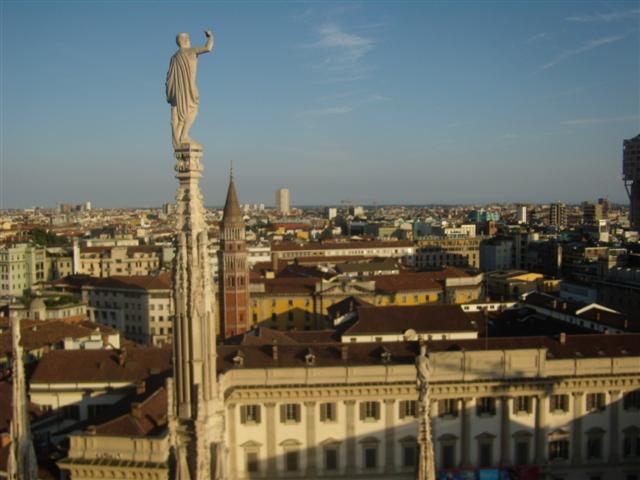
{"type": "Point", "coordinates": [387, 102]}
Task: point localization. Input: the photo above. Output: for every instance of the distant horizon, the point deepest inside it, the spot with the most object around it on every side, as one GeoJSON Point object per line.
{"type": "Point", "coordinates": [388, 103]}
{"type": "Point", "coordinates": [315, 206]}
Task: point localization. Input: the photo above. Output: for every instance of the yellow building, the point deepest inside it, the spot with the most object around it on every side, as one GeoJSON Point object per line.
{"type": "Point", "coordinates": [302, 303]}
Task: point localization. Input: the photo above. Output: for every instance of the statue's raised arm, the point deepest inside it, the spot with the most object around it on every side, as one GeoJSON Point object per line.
{"type": "Point", "coordinates": [181, 89]}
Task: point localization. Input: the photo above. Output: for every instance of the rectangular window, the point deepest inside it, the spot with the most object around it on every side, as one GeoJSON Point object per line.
{"type": "Point", "coordinates": [409, 456]}
{"type": "Point", "coordinates": [522, 404]}
{"type": "Point", "coordinates": [290, 413]}
{"type": "Point", "coordinates": [485, 406]}
{"type": "Point", "coordinates": [252, 462]}
{"type": "Point", "coordinates": [486, 454]}
{"type": "Point", "coordinates": [328, 412]}
{"type": "Point", "coordinates": [408, 408]}
{"type": "Point", "coordinates": [595, 402]}
{"type": "Point", "coordinates": [370, 457]}
{"type": "Point", "coordinates": [331, 459]}
{"type": "Point", "coordinates": [559, 450]}
{"type": "Point", "coordinates": [71, 412]}
{"type": "Point", "coordinates": [522, 452]}
{"type": "Point", "coordinates": [558, 403]}
{"type": "Point", "coordinates": [292, 462]}
{"type": "Point", "coordinates": [594, 447]}
{"type": "Point", "coordinates": [369, 411]}
{"type": "Point", "coordinates": [448, 456]}
{"type": "Point", "coordinates": [448, 407]}
{"type": "Point", "coordinates": [631, 443]}
{"type": "Point", "coordinates": [631, 400]}
{"type": "Point", "coordinates": [250, 414]}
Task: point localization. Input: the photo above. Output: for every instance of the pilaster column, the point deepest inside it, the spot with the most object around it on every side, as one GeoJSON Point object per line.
{"type": "Point", "coordinates": [310, 412]}
{"type": "Point", "coordinates": [389, 435]}
{"type": "Point", "coordinates": [614, 426]}
{"type": "Point", "coordinates": [465, 432]}
{"type": "Point", "coordinates": [231, 424]}
{"type": "Point", "coordinates": [576, 430]}
{"type": "Point", "coordinates": [272, 466]}
{"type": "Point", "coordinates": [433, 415]}
{"type": "Point", "coordinates": [540, 428]}
{"type": "Point", "coordinates": [351, 436]}
{"type": "Point", "coordinates": [506, 406]}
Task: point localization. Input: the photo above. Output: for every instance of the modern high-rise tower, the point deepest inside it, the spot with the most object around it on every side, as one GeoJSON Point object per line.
{"type": "Point", "coordinates": [631, 177]}
{"type": "Point", "coordinates": [282, 200]}
{"type": "Point", "coordinates": [558, 215]}
{"type": "Point", "coordinates": [233, 268]}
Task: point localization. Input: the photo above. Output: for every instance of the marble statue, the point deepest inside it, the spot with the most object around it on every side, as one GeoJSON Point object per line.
{"type": "Point", "coordinates": [182, 92]}
{"type": "Point", "coordinates": [426, 465]}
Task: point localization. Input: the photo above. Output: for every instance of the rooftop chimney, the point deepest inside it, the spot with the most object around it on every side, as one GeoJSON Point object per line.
{"type": "Point", "coordinates": [344, 352]}
{"type": "Point", "coordinates": [140, 387]}
{"type": "Point", "coordinates": [563, 338]}
{"type": "Point", "coordinates": [122, 357]}
{"type": "Point", "coordinates": [136, 409]}
{"type": "Point", "coordinates": [274, 351]}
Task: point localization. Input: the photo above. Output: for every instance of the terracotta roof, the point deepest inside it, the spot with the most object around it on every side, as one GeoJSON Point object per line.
{"type": "Point", "coordinates": [406, 281]}
{"type": "Point", "coordinates": [421, 318]}
{"type": "Point", "coordinates": [612, 319]}
{"type": "Point", "coordinates": [329, 354]}
{"type": "Point", "coordinates": [80, 366]}
{"type": "Point", "coordinates": [36, 335]}
{"type": "Point", "coordinates": [291, 246]}
{"type": "Point", "coordinates": [287, 285]}
{"type": "Point", "coordinates": [148, 417]}
{"type": "Point", "coordinates": [136, 282]}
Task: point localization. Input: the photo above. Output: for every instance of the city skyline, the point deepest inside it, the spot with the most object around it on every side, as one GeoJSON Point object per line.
{"type": "Point", "coordinates": [335, 102]}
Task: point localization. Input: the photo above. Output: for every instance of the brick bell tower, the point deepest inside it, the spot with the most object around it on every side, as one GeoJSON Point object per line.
{"type": "Point", "coordinates": [233, 267]}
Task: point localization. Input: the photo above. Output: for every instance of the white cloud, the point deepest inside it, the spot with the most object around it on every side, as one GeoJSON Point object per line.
{"type": "Point", "coordinates": [539, 36]}
{"type": "Point", "coordinates": [602, 120]}
{"type": "Point", "coordinates": [342, 53]}
{"type": "Point", "coordinates": [321, 112]}
{"type": "Point", "coordinates": [342, 109]}
{"type": "Point", "coordinates": [590, 45]}
{"type": "Point", "coordinates": [605, 17]}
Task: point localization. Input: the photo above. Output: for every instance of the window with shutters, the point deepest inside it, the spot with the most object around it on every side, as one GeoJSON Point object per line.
{"type": "Point", "coordinates": [328, 412]}
{"type": "Point", "coordinates": [370, 453]}
{"type": "Point", "coordinates": [290, 413]}
{"type": "Point", "coordinates": [631, 400]}
{"type": "Point", "coordinates": [631, 442]}
{"type": "Point", "coordinates": [596, 402]}
{"type": "Point", "coordinates": [250, 414]}
{"type": "Point", "coordinates": [522, 405]}
{"type": "Point", "coordinates": [448, 407]}
{"type": "Point", "coordinates": [408, 408]}
{"type": "Point", "coordinates": [485, 450]}
{"type": "Point", "coordinates": [253, 465]}
{"type": "Point", "coordinates": [292, 461]}
{"type": "Point", "coordinates": [331, 458]}
{"type": "Point", "coordinates": [370, 411]}
{"type": "Point", "coordinates": [522, 452]}
{"type": "Point", "coordinates": [409, 451]}
{"type": "Point", "coordinates": [558, 445]}
{"type": "Point", "coordinates": [485, 406]}
{"type": "Point", "coordinates": [448, 451]}
{"type": "Point", "coordinates": [559, 403]}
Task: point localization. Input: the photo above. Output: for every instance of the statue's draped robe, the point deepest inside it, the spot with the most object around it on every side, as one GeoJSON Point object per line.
{"type": "Point", "coordinates": [182, 92]}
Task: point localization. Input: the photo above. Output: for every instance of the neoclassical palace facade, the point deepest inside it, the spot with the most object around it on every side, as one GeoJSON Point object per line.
{"type": "Point", "coordinates": [557, 408]}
